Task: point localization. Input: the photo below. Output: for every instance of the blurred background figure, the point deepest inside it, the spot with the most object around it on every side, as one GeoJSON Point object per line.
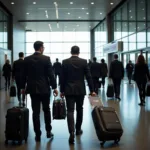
{"type": "Point", "coordinates": [89, 63]}
{"type": "Point", "coordinates": [130, 68]}
{"type": "Point", "coordinates": [57, 70]}
{"type": "Point", "coordinates": [7, 74]}
{"type": "Point", "coordinates": [104, 71]}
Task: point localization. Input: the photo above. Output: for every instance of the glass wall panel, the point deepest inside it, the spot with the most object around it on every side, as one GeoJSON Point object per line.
{"type": "Point", "coordinates": [148, 10]}
{"type": "Point", "coordinates": [132, 10]}
{"type": "Point", "coordinates": [141, 10]}
{"type": "Point", "coordinates": [132, 42]}
{"type": "Point", "coordinates": [141, 40]}
{"type": "Point", "coordinates": [124, 13]}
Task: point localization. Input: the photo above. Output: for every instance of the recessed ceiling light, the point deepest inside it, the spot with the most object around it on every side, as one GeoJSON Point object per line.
{"type": "Point", "coordinates": [27, 13]}
{"type": "Point", "coordinates": [144, 18]}
{"type": "Point", "coordinates": [92, 3]}
{"type": "Point", "coordinates": [87, 13]}
{"type": "Point", "coordinates": [71, 3]}
{"type": "Point", "coordinates": [82, 8]}
{"type": "Point", "coordinates": [79, 17]}
{"type": "Point", "coordinates": [12, 3]}
{"type": "Point", "coordinates": [89, 26]}
{"type": "Point", "coordinates": [131, 17]}
{"type": "Point", "coordinates": [111, 3]}
{"type": "Point", "coordinates": [77, 25]}
{"type": "Point", "coordinates": [65, 26]}
{"type": "Point", "coordinates": [101, 13]}
{"type": "Point", "coordinates": [68, 13]}
{"type": "Point", "coordinates": [34, 3]}
{"type": "Point", "coordinates": [130, 10]}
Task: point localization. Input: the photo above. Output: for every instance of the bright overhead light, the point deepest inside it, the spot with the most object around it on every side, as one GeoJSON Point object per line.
{"type": "Point", "coordinates": [34, 3]}
{"type": "Point", "coordinates": [27, 13]}
{"type": "Point", "coordinates": [82, 8]}
{"type": "Point", "coordinates": [89, 26]}
{"type": "Point", "coordinates": [68, 13]}
{"type": "Point", "coordinates": [77, 25]}
{"type": "Point", "coordinates": [46, 13]}
{"type": "Point", "coordinates": [111, 3]}
{"type": "Point", "coordinates": [131, 17]}
{"type": "Point", "coordinates": [87, 13]}
{"type": "Point", "coordinates": [101, 13]}
{"type": "Point", "coordinates": [79, 17]}
{"type": "Point", "coordinates": [50, 27]}
{"type": "Point", "coordinates": [71, 3]}
{"type": "Point", "coordinates": [92, 3]}
{"type": "Point", "coordinates": [12, 3]}
{"type": "Point", "coordinates": [65, 26]}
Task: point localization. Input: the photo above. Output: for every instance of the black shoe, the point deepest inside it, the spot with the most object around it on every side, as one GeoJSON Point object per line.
{"type": "Point", "coordinates": [141, 104]}
{"type": "Point", "coordinates": [71, 138]}
{"type": "Point", "coordinates": [23, 105]}
{"type": "Point", "coordinates": [50, 135]}
{"type": "Point", "coordinates": [118, 98]}
{"type": "Point", "coordinates": [37, 138]}
{"type": "Point", "coordinates": [79, 132]}
{"type": "Point", "coordinates": [19, 103]}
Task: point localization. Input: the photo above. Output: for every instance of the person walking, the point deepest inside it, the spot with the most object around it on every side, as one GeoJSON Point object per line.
{"type": "Point", "coordinates": [38, 75]}
{"type": "Point", "coordinates": [17, 74]}
{"type": "Point", "coordinates": [7, 74]}
{"type": "Point", "coordinates": [96, 73]}
{"type": "Point", "coordinates": [116, 72]}
{"type": "Point", "coordinates": [57, 70]}
{"type": "Point", "coordinates": [72, 86]}
{"type": "Point", "coordinates": [129, 69]}
{"type": "Point", "coordinates": [104, 71]}
{"type": "Point", "coordinates": [141, 74]}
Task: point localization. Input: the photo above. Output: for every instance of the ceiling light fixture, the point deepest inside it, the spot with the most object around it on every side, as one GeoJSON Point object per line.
{"type": "Point", "coordinates": [79, 17]}
{"type": "Point", "coordinates": [50, 27]}
{"type": "Point", "coordinates": [101, 13]}
{"type": "Point", "coordinates": [92, 3]}
{"type": "Point", "coordinates": [68, 13]}
{"type": "Point", "coordinates": [87, 13]}
{"type": "Point", "coordinates": [12, 3]}
{"type": "Point", "coordinates": [56, 7]}
{"type": "Point", "coordinates": [27, 13]}
{"type": "Point", "coordinates": [46, 13]}
{"type": "Point", "coordinates": [83, 8]}
{"type": "Point", "coordinates": [71, 3]}
{"type": "Point", "coordinates": [111, 3]}
{"type": "Point", "coordinates": [89, 26]}
{"type": "Point", "coordinates": [77, 25]}
{"type": "Point", "coordinates": [34, 3]}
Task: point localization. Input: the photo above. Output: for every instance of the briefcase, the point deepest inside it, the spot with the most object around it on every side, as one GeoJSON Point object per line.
{"type": "Point", "coordinates": [12, 91]}
{"type": "Point", "coordinates": [59, 109]}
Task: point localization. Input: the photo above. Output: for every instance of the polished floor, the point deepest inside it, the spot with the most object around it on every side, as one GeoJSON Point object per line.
{"type": "Point", "coordinates": [135, 121]}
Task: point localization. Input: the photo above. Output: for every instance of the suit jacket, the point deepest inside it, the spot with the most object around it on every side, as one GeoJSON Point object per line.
{"type": "Point", "coordinates": [104, 69]}
{"type": "Point", "coordinates": [57, 67]}
{"type": "Point", "coordinates": [7, 70]}
{"type": "Point", "coordinates": [38, 74]}
{"type": "Point", "coordinates": [74, 70]}
{"type": "Point", "coordinates": [95, 70]}
{"type": "Point", "coordinates": [116, 70]}
{"type": "Point", "coordinates": [17, 70]}
{"type": "Point", "coordinates": [141, 73]}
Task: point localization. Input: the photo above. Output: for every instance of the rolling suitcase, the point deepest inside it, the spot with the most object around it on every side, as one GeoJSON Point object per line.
{"type": "Point", "coordinates": [147, 91]}
{"type": "Point", "coordinates": [110, 90]}
{"type": "Point", "coordinates": [12, 91]}
{"type": "Point", "coordinates": [107, 124]}
{"type": "Point", "coordinates": [59, 109]}
{"type": "Point", "coordinates": [17, 124]}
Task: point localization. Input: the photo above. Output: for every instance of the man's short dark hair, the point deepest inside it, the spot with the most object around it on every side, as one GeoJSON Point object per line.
{"type": "Point", "coordinates": [56, 59]}
{"type": "Point", "coordinates": [102, 60]}
{"type": "Point", "coordinates": [116, 56]}
{"type": "Point", "coordinates": [21, 54]}
{"type": "Point", "coordinates": [94, 59]}
{"type": "Point", "coordinates": [75, 50]}
{"type": "Point", "coordinates": [38, 45]}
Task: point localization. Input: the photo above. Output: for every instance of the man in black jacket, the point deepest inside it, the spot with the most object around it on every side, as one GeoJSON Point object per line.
{"type": "Point", "coordinates": [72, 87]}
{"type": "Point", "coordinates": [95, 72]}
{"type": "Point", "coordinates": [116, 72]}
{"type": "Point", "coordinates": [38, 74]}
{"type": "Point", "coordinates": [57, 69]}
{"type": "Point", "coordinates": [16, 74]}
{"type": "Point", "coordinates": [130, 68]}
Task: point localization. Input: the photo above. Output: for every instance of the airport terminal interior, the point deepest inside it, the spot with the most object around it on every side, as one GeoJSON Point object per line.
{"type": "Point", "coordinates": [101, 28]}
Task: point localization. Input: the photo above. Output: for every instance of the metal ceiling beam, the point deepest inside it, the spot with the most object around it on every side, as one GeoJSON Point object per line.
{"type": "Point", "coordinates": [59, 20]}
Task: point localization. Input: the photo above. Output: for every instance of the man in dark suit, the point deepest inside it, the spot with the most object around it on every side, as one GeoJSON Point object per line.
{"type": "Point", "coordinates": [57, 69]}
{"type": "Point", "coordinates": [38, 74]}
{"type": "Point", "coordinates": [16, 74]}
{"type": "Point", "coordinates": [72, 87]}
{"type": "Point", "coordinates": [95, 72]}
{"type": "Point", "coordinates": [130, 68]}
{"type": "Point", "coordinates": [116, 72]}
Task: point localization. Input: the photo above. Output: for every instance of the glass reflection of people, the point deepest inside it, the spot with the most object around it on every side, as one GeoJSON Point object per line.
{"type": "Point", "coordinates": [141, 73]}
{"type": "Point", "coordinates": [7, 74]}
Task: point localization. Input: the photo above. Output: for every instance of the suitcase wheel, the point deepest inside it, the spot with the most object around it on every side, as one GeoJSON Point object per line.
{"type": "Point", "coordinates": [6, 142]}
{"type": "Point", "coordinates": [102, 144]}
{"type": "Point", "coordinates": [117, 141]}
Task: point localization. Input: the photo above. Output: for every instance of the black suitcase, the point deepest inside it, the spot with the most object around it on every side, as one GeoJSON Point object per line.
{"type": "Point", "coordinates": [17, 124]}
{"type": "Point", "coordinates": [59, 109]}
{"type": "Point", "coordinates": [110, 90]}
{"type": "Point", "coordinates": [147, 89]}
{"type": "Point", "coordinates": [12, 91]}
{"type": "Point", "coordinates": [107, 124]}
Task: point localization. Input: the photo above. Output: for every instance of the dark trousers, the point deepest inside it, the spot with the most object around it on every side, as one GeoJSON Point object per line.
{"type": "Point", "coordinates": [141, 87]}
{"type": "Point", "coordinates": [96, 84]}
{"type": "Point", "coordinates": [103, 80]}
{"type": "Point", "coordinates": [129, 76]}
{"type": "Point", "coordinates": [7, 82]}
{"type": "Point", "coordinates": [57, 74]}
{"type": "Point", "coordinates": [18, 91]}
{"type": "Point", "coordinates": [117, 83]}
{"type": "Point", "coordinates": [70, 101]}
{"type": "Point", "coordinates": [36, 100]}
